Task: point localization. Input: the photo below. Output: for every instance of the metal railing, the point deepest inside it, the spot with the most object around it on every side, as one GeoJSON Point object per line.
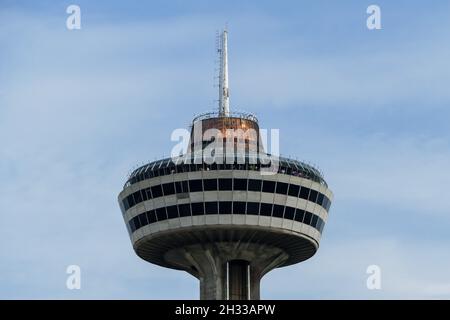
{"type": "Point", "coordinates": [302, 168]}
{"type": "Point", "coordinates": [233, 114]}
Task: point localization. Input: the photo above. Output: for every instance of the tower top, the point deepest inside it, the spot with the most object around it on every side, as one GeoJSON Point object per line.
{"type": "Point", "coordinates": [224, 94]}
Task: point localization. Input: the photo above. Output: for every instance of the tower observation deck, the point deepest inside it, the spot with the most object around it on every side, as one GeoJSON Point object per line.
{"type": "Point", "coordinates": [228, 216]}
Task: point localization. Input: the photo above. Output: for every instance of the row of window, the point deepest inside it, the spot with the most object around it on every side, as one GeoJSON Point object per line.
{"type": "Point", "coordinates": [226, 207]}
{"type": "Point", "coordinates": [167, 166]}
{"type": "Point", "coordinates": [235, 184]}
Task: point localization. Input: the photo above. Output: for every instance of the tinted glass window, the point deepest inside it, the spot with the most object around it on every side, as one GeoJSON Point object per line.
{"type": "Point", "coordinates": [144, 195]}
{"type": "Point", "coordinates": [225, 184]}
{"type": "Point", "coordinates": [238, 207]}
{"type": "Point", "coordinates": [268, 186]}
{"type": "Point", "coordinates": [211, 207]}
{"type": "Point", "coordinates": [319, 223]}
{"type": "Point", "coordinates": [161, 214]}
{"type": "Point", "coordinates": [184, 186]}
{"type": "Point", "coordinates": [266, 209]}
{"type": "Point", "coordinates": [132, 226]}
{"type": "Point", "coordinates": [254, 185]}
{"type": "Point", "coordinates": [195, 185]}
{"type": "Point", "coordinates": [282, 188]}
{"type": "Point", "coordinates": [314, 220]}
{"type": "Point", "coordinates": [184, 209]}
{"type": "Point", "coordinates": [136, 222]}
{"type": "Point", "coordinates": [308, 217]}
{"type": "Point", "coordinates": [210, 184]}
{"type": "Point", "coordinates": [322, 226]}
{"type": "Point", "coordinates": [137, 197]}
{"type": "Point", "coordinates": [240, 184]}
{"type": "Point", "coordinates": [148, 191]}
{"type": "Point", "coordinates": [225, 207]}
{"type": "Point", "coordinates": [313, 195]}
{"type": "Point", "coordinates": [328, 204]}
{"type": "Point", "coordinates": [168, 188]}
{"type": "Point", "coordinates": [197, 209]}
{"type": "Point", "coordinates": [299, 215]}
{"type": "Point", "coordinates": [157, 191]}
{"type": "Point", "coordinates": [131, 200]}
{"type": "Point", "coordinates": [320, 198]}
{"type": "Point", "coordinates": [304, 192]}
{"type": "Point", "coordinates": [172, 212]}
{"type": "Point", "coordinates": [278, 211]}
{"type": "Point", "coordinates": [178, 188]}
{"type": "Point", "coordinates": [151, 216]}
{"type": "Point", "coordinates": [293, 190]}
{"type": "Point", "coordinates": [253, 208]}
{"type": "Point", "coordinates": [126, 206]}
{"type": "Point", "coordinates": [325, 202]}
{"type": "Point", "coordinates": [143, 219]}
{"type": "Point", "coordinates": [289, 213]}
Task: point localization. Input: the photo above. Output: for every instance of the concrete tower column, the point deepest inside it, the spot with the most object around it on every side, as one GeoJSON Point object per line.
{"type": "Point", "coordinates": [228, 270]}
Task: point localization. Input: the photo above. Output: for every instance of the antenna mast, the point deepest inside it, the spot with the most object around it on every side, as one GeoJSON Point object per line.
{"type": "Point", "coordinates": [224, 95]}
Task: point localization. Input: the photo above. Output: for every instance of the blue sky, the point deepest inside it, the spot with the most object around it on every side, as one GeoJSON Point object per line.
{"type": "Point", "coordinates": [79, 109]}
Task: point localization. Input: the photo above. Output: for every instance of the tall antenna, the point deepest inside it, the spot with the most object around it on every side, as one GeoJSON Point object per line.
{"type": "Point", "coordinates": [224, 94]}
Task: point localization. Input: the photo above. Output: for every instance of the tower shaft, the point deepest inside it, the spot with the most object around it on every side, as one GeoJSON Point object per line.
{"type": "Point", "coordinates": [228, 270]}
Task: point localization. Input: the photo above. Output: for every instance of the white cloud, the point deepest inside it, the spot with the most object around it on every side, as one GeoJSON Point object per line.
{"type": "Point", "coordinates": [362, 79]}
{"type": "Point", "coordinates": [406, 173]}
{"type": "Point", "coordinates": [408, 271]}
